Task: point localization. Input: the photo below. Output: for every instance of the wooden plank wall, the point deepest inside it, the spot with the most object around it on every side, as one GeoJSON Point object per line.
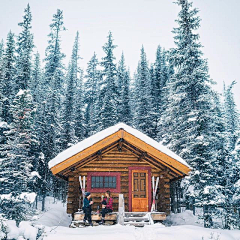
{"type": "Point", "coordinates": [115, 161]}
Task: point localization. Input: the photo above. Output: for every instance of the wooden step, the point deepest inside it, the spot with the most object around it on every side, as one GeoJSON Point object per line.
{"type": "Point", "coordinates": [137, 224]}
{"type": "Point", "coordinates": [137, 219]}
{"type": "Point", "coordinates": [135, 214]}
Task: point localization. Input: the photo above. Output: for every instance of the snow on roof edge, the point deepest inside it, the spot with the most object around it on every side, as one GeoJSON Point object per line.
{"type": "Point", "coordinates": [73, 150]}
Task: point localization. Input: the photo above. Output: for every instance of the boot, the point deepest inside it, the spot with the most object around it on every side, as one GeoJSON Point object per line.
{"type": "Point", "coordinates": [102, 221]}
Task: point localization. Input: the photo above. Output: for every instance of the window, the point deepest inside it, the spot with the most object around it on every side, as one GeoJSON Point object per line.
{"type": "Point", "coordinates": [103, 181]}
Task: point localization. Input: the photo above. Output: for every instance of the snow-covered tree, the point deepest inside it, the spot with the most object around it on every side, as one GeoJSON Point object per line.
{"type": "Point", "coordinates": [36, 80]}
{"type": "Point", "coordinates": [189, 117]}
{"type": "Point", "coordinates": [16, 166]}
{"type": "Point", "coordinates": [123, 80]}
{"type": "Point", "coordinates": [79, 120]}
{"type": "Point", "coordinates": [1, 52]}
{"type": "Point", "coordinates": [109, 93]}
{"type": "Point", "coordinates": [68, 134]}
{"type": "Point", "coordinates": [143, 99]}
{"type": "Point", "coordinates": [54, 79]}
{"type": "Point", "coordinates": [159, 77]}
{"type": "Point", "coordinates": [7, 78]}
{"type": "Point", "coordinates": [91, 88]}
{"type": "Point", "coordinates": [231, 116]}
{"type": "Point", "coordinates": [24, 52]}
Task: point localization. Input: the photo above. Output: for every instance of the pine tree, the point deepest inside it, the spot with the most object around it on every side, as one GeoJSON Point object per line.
{"type": "Point", "coordinates": [231, 117]}
{"type": "Point", "coordinates": [189, 117]}
{"type": "Point", "coordinates": [159, 77]}
{"type": "Point", "coordinates": [144, 100]}
{"type": "Point", "coordinates": [24, 52]}
{"type": "Point", "coordinates": [79, 127]}
{"type": "Point", "coordinates": [109, 92]}
{"type": "Point", "coordinates": [7, 78]}
{"type": "Point", "coordinates": [68, 134]}
{"type": "Point", "coordinates": [51, 111]}
{"type": "Point", "coordinates": [124, 109]}
{"type": "Point", "coordinates": [17, 164]}
{"type": "Point", "coordinates": [91, 88]}
{"type": "Point", "coordinates": [1, 52]}
{"type": "Point", "coordinates": [54, 78]}
{"type": "Point", "coordinates": [36, 80]}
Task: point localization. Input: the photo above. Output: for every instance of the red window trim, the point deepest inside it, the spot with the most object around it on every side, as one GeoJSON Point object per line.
{"type": "Point", "coordinates": [130, 169]}
{"type": "Point", "coordinates": [104, 174]}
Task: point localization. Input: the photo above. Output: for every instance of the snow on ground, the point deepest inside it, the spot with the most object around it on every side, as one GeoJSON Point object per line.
{"type": "Point", "coordinates": [54, 226]}
{"type": "Point", "coordinates": [55, 214]}
{"type": "Point", "coordinates": [150, 232]}
{"type": "Point", "coordinates": [187, 229]}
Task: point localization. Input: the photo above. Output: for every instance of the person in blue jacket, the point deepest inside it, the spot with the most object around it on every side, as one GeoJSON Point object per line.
{"type": "Point", "coordinates": [87, 203]}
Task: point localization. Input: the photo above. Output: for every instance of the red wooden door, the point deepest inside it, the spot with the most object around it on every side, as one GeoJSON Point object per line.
{"type": "Point", "coordinates": [139, 190]}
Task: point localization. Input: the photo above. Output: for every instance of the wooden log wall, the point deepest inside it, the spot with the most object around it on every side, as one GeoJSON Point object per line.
{"type": "Point", "coordinates": [115, 161]}
{"type": "Point", "coordinates": [163, 202]}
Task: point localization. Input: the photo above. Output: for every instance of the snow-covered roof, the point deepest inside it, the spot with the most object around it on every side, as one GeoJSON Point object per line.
{"type": "Point", "coordinates": [107, 132]}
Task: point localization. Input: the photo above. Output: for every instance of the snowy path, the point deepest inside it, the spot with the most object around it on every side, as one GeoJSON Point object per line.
{"type": "Point", "coordinates": [153, 232]}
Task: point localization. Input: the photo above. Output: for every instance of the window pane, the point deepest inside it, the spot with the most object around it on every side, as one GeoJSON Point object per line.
{"type": "Point", "coordinates": [106, 179]}
{"type": "Point", "coordinates": [103, 182]}
{"type": "Point", "coordinates": [93, 182]}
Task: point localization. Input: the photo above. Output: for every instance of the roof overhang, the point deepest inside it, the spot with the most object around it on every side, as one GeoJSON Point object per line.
{"type": "Point", "coordinates": [92, 145]}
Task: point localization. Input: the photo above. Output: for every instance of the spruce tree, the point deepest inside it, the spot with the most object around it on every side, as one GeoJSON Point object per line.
{"type": "Point", "coordinates": [68, 134]}
{"type": "Point", "coordinates": [123, 76]}
{"type": "Point", "coordinates": [1, 52]}
{"type": "Point", "coordinates": [51, 110]}
{"type": "Point", "coordinates": [54, 78]}
{"type": "Point", "coordinates": [17, 163]}
{"type": "Point", "coordinates": [91, 89]}
{"type": "Point", "coordinates": [143, 105]}
{"type": "Point", "coordinates": [36, 80]}
{"type": "Point", "coordinates": [109, 92]}
{"type": "Point", "coordinates": [231, 116]}
{"type": "Point", "coordinates": [189, 117]}
{"type": "Point", "coordinates": [24, 52]}
{"type": "Point", "coordinates": [159, 77]}
{"type": "Point", "coordinates": [7, 78]}
{"type": "Point", "coordinates": [79, 126]}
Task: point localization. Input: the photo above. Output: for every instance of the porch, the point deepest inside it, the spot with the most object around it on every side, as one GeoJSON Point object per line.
{"type": "Point", "coordinates": [138, 219]}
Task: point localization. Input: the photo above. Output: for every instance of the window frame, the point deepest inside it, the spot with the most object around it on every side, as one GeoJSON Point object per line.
{"type": "Point", "coordinates": [103, 174]}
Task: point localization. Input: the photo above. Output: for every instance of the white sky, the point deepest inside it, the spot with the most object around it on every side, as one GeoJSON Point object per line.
{"type": "Point", "coordinates": [133, 23]}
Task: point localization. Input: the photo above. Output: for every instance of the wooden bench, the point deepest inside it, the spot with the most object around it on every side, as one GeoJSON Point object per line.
{"type": "Point", "coordinates": [158, 216]}
{"type": "Point", "coordinates": [79, 216]}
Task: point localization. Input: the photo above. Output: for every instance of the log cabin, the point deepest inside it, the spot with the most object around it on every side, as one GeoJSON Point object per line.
{"type": "Point", "coordinates": [123, 160]}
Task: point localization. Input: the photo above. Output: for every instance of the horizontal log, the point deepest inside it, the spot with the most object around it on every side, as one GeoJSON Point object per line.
{"type": "Point", "coordinates": [113, 165]}
{"type": "Point", "coordinates": [119, 156]}
{"type": "Point", "coordinates": [98, 169]}
{"type": "Point", "coordinates": [117, 162]}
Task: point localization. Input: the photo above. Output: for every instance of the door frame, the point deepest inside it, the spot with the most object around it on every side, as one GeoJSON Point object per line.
{"type": "Point", "coordinates": [130, 169]}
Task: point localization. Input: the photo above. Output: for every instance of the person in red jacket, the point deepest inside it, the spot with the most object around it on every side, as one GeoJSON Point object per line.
{"type": "Point", "coordinates": [107, 207]}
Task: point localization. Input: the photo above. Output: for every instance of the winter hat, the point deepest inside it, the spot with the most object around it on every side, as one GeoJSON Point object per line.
{"type": "Point", "coordinates": [87, 194]}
